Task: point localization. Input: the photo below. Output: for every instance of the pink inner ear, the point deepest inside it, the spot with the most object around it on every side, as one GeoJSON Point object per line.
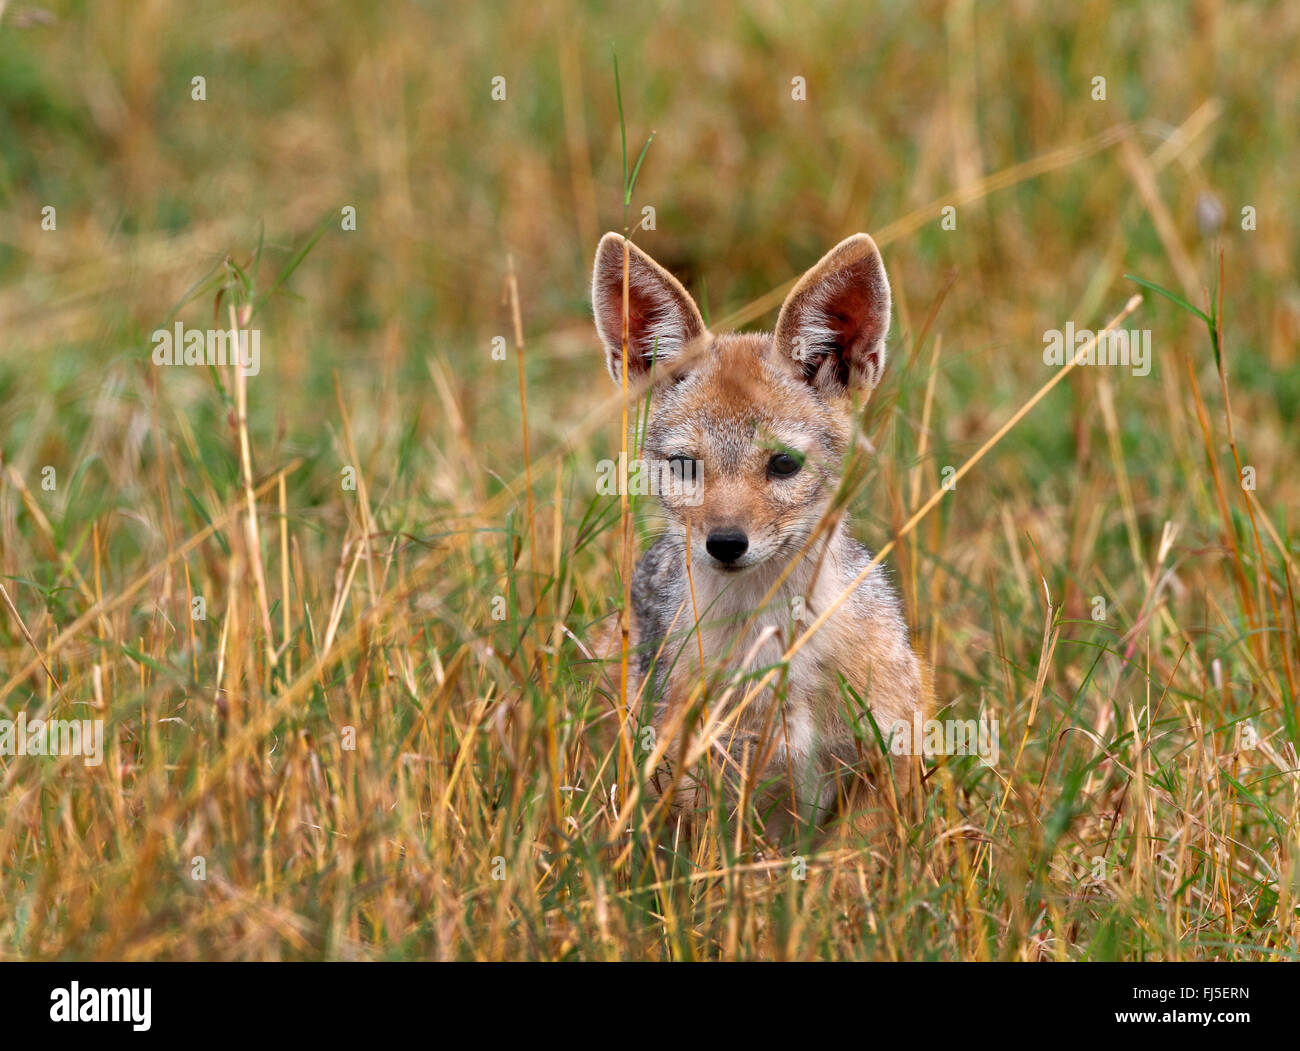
{"type": "Point", "coordinates": [854, 319]}
{"type": "Point", "coordinates": [658, 308]}
{"type": "Point", "coordinates": [639, 310]}
{"type": "Point", "coordinates": [849, 315]}
{"type": "Point", "coordinates": [842, 319]}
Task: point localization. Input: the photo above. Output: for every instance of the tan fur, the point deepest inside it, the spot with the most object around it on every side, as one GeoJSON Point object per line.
{"type": "Point", "coordinates": [735, 405]}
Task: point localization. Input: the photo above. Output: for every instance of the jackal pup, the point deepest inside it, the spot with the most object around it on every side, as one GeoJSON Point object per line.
{"type": "Point", "coordinates": [760, 423]}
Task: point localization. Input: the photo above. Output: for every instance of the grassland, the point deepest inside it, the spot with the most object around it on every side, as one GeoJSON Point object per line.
{"type": "Point", "coordinates": [383, 739]}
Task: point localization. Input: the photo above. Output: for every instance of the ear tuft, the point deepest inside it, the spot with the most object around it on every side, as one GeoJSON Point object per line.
{"type": "Point", "coordinates": [661, 317]}
{"type": "Point", "coordinates": [833, 322]}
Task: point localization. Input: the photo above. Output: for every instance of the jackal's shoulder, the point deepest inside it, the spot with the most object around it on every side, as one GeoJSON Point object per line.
{"type": "Point", "coordinates": [658, 587]}
{"type": "Point", "coordinates": [874, 644]}
{"type": "Point", "coordinates": [875, 598]}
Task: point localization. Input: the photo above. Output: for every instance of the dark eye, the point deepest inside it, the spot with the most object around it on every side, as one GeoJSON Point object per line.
{"type": "Point", "coordinates": [683, 467]}
{"type": "Point", "coordinates": [783, 465]}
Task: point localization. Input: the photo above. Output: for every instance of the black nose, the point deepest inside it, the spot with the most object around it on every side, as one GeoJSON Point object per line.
{"type": "Point", "coordinates": [727, 546]}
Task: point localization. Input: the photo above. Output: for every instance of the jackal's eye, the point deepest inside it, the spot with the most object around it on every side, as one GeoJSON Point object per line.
{"type": "Point", "coordinates": [683, 467]}
{"type": "Point", "coordinates": [783, 465]}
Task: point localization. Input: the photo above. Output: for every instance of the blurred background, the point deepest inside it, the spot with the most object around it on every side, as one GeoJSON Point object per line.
{"type": "Point", "coordinates": [1070, 144]}
{"type": "Point", "coordinates": [388, 108]}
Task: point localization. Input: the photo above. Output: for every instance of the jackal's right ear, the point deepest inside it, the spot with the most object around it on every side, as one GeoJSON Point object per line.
{"type": "Point", "coordinates": [661, 315]}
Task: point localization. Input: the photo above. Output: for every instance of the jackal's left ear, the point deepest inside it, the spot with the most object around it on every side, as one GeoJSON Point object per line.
{"type": "Point", "coordinates": [833, 322]}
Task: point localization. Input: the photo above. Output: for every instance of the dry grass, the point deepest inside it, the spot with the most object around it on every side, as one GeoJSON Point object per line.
{"type": "Point", "coordinates": [473, 818]}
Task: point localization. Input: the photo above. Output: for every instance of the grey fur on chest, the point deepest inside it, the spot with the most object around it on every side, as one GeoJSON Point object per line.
{"type": "Point", "coordinates": [660, 600]}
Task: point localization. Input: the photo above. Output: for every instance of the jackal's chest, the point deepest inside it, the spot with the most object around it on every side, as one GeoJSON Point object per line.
{"type": "Point", "coordinates": [746, 630]}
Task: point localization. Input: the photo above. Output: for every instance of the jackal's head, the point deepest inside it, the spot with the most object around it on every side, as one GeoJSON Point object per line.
{"type": "Point", "coordinates": [760, 420]}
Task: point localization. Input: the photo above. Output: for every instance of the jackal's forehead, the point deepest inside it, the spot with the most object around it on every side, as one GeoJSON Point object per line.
{"type": "Point", "coordinates": [740, 396]}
